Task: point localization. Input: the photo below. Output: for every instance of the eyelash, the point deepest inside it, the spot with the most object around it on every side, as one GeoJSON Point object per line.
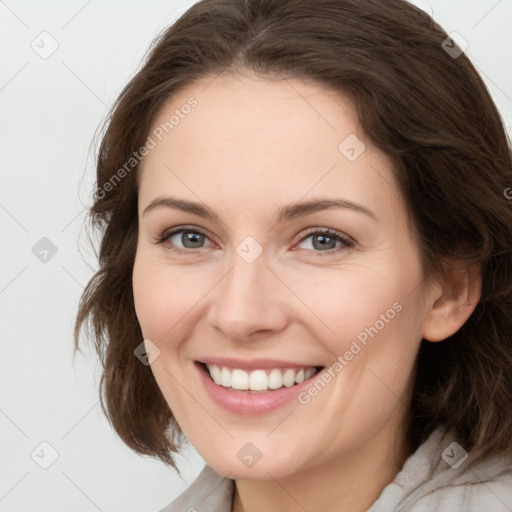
{"type": "Point", "coordinates": [345, 240]}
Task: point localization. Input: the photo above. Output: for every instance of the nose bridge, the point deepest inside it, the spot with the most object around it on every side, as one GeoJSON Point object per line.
{"type": "Point", "coordinates": [247, 299]}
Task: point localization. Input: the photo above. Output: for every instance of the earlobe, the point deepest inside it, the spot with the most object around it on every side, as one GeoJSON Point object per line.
{"type": "Point", "coordinates": [455, 301]}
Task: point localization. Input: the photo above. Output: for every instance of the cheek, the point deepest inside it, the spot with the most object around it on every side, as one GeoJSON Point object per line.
{"type": "Point", "coordinates": [343, 304]}
{"type": "Point", "coordinates": [163, 297]}
{"type": "Point", "coordinates": [164, 301]}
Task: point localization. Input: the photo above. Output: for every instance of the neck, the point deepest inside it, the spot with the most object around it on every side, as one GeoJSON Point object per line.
{"type": "Point", "coordinates": [352, 482]}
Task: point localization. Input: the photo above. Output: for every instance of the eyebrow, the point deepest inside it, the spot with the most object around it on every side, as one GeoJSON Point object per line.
{"type": "Point", "coordinates": [288, 212]}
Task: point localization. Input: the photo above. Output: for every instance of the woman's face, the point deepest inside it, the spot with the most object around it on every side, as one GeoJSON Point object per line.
{"type": "Point", "coordinates": [254, 284]}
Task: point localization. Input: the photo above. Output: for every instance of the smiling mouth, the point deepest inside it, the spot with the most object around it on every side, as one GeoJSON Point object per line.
{"type": "Point", "coordinates": [259, 380]}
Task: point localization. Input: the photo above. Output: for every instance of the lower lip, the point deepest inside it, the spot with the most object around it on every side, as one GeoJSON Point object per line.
{"type": "Point", "coordinates": [247, 403]}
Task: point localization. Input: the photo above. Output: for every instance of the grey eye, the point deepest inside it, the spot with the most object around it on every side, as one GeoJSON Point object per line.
{"type": "Point", "coordinates": [188, 239]}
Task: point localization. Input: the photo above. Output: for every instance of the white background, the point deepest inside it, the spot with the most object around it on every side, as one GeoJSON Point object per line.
{"type": "Point", "coordinates": [50, 109]}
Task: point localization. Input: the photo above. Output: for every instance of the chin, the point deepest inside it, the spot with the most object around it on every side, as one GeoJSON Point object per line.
{"type": "Point", "coordinates": [260, 467]}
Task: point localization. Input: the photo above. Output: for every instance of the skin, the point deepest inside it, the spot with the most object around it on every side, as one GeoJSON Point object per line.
{"type": "Point", "coordinates": [249, 147]}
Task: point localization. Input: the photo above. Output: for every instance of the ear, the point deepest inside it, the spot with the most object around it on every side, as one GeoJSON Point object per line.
{"type": "Point", "coordinates": [452, 302]}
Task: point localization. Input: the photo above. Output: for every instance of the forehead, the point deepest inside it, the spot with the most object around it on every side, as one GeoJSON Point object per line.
{"type": "Point", "coordinates": [252, 137]}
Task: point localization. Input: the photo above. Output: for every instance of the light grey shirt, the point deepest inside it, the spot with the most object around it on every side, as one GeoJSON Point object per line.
{"type": "Point", "coordinates": [433, 479]}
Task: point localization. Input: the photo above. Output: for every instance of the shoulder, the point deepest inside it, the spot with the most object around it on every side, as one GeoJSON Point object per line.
{"type": "Point", "coordinates": [209, 491]}
{"type": "Point", "coordinates": [438, 477]}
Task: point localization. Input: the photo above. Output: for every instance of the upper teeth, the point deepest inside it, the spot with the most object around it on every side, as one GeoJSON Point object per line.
{"type": "Point", "coordinates": [258, 380]}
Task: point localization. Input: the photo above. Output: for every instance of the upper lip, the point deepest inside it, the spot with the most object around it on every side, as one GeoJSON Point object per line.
{"type": "Point", "coordinates": [254, 364]}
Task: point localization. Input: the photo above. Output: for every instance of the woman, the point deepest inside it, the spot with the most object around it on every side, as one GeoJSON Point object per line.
{"type": "Point", "coordinates": [305, 261]}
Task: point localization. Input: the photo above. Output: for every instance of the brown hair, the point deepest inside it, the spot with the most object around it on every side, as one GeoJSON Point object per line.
{"type": "Point", "coordinates": [428, 110]}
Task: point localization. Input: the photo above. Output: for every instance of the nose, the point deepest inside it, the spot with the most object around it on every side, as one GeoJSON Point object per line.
{"type": "Point", "coordinates": [249, 302]}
